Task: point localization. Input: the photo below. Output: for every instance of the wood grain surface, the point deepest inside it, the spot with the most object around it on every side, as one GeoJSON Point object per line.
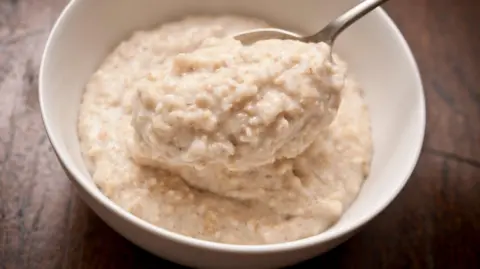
{"type": "Point", "coordinates": [434, 223]}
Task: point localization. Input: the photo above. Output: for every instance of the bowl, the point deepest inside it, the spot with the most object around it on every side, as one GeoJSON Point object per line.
{"type": "Point", "coordinates": [377, 55]}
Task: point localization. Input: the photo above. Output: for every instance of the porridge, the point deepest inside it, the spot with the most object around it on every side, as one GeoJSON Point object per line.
{"type": "Point", "coordinates": [191, 131]}
{"type": "Point", "coordinates": [236, 106]}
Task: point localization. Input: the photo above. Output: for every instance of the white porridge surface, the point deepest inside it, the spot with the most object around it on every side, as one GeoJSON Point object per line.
{"type": "Point", "coordinates": [190, 130]}
{"type": "Point", "coordinates": [236, 106]}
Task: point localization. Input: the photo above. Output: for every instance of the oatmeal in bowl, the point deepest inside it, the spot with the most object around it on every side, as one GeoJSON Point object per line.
{"type": "Point", "coordinates": [190, 130]}
{"type": "Point", "coordinates": [230, 179]}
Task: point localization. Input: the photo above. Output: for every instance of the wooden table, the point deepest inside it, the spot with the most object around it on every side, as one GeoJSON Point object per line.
{"type": "Point", "coordinates": [434, 223]}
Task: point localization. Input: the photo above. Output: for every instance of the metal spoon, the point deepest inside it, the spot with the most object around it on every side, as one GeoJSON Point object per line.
{"type": "Point", "coordinates": [327, 35]}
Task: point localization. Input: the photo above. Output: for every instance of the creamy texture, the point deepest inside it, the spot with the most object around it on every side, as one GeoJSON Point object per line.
{"type": "Point", "coordinates": [250, 161]}
{"type": "Point", "coordinates": [237, 106]}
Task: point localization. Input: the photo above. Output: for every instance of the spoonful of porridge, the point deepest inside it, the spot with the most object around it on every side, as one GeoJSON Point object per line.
{"type": "Point", "coordinates": [241, 102]}
{"type": "Point", "coordinates": [327, 35]}
{"type": "Point", "coordinates": [236, 106]}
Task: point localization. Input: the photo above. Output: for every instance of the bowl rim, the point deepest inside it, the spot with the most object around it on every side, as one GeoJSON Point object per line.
{"type": "Point", "coordinates": [223, 247]}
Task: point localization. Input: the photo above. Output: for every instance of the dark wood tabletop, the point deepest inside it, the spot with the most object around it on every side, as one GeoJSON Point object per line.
{"type": "Point", "coordinates": [434, 222]}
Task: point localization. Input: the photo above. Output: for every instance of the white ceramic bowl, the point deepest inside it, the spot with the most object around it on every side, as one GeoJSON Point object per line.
{"type": "Point", "coordinates": [375, 49]}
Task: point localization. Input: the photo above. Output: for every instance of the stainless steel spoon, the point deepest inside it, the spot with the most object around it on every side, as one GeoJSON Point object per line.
{"type": "Point", "coordinates": [327, 35]}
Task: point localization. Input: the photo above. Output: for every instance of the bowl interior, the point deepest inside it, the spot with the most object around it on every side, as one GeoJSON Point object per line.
{"type": "Point", "coordinates": [375, 50]}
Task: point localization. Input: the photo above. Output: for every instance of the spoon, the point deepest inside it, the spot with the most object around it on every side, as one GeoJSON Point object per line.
{"type": "Point", "coordinates": [327, 35]}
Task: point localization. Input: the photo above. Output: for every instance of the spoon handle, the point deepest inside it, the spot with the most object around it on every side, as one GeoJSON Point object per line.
{"type": "Point", "coordinates": [334, 28]}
